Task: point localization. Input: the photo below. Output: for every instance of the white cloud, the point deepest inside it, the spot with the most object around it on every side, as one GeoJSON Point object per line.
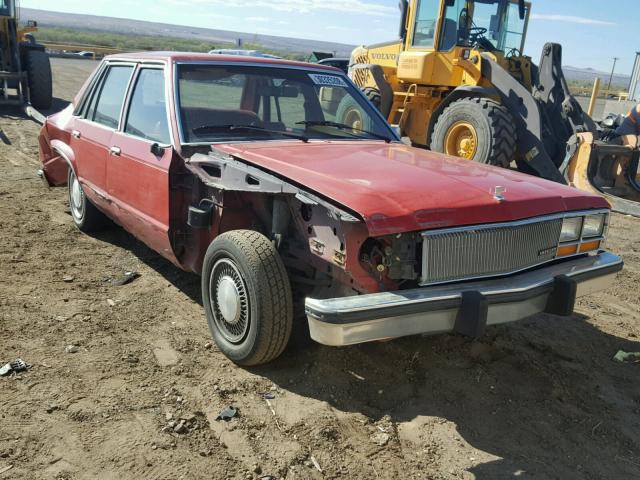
{"type": "Point", "coordinates": [360, 7]}
{"type": "Point", "coordinates": [570, 19]}
{"type": "Point", "coordinates": [256, 19]}
{"type": "Point", "coordinates": [335, 27]}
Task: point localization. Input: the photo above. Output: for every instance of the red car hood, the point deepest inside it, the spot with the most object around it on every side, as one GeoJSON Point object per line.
{"type": "Point", "coordinates": [396, 188]}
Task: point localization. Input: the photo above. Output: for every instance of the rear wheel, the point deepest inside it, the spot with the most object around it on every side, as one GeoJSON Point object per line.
{"type": "Point", "coordinates": [38, 68]}
{"type": "Point", "coordinates": [247, 297]}
{"type": "Point", "coordinates": [478, 129]}
{"type": "Point", "coordinates": [85, 215]}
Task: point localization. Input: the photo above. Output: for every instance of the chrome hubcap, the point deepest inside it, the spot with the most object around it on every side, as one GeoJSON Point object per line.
{"type": "Point", "coordinates": [229, 301]}
{"type": "Point", "coordinates": [75, 198]}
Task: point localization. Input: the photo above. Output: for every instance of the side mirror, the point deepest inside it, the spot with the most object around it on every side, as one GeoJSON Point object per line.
{"type": "Point", "coordinates": [157, 149]}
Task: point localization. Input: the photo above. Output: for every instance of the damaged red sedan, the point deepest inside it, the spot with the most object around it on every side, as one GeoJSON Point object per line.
{"type": "Point", "coordinates": [286, 190]}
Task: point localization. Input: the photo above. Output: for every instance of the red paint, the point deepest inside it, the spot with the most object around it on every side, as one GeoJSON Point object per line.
{"type": "Point", "coordinates": [138, 186]}
{"type": "Point", "coordinates": [397, 188]}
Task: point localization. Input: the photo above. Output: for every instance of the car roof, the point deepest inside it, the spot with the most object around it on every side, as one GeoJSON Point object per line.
{"type": "Point", "coordinates": [172, 57]}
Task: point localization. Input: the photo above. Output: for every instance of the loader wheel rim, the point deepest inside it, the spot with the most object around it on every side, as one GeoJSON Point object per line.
{"type": "Point", "coordinates": [461, 140]}
{"type": "Point", "coordinates": [353, 118]}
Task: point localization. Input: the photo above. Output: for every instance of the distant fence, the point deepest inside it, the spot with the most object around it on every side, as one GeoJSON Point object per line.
{"type": "Point", "coordinates": [94, 49]}
{"type": "Point", "coordinates": [586, 92]}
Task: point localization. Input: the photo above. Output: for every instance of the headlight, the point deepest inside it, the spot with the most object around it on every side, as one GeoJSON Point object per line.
{"type": "Point", "coordinates": [593, 226]}
{"type": "Point", "coordinates": [571, 229]}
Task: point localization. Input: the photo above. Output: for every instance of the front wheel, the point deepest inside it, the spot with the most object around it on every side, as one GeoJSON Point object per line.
{"type": "Point", "coordinates": [478, 129]}
{"type": "Point", "coordinates": [247, 297]}
{"type": "Point", "coordinates": [85, 215]}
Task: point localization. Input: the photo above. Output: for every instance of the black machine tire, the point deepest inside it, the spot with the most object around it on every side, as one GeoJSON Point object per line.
{"type": "Point", "coordinates": [262, 315]}
{"type": "Point", "coordinates": [374, 96]}
{"type": "Point", "coordinates": [85, 215]}
{"type": "Point", "coordinates": [495, 127]}
{"type": "Point", "coordinates": [351, 113]}
{"type": "Point", "coordinates": [38, 68]}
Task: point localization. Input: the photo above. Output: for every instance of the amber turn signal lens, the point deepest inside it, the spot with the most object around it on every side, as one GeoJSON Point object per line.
{"type": "Point", "coordinates": [567, 250]}
{"type": "Point", "coordinates": [590, 246]}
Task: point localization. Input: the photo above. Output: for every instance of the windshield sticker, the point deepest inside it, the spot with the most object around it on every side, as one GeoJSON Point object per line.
{"type": "Point", "coordinates": [328, 80]}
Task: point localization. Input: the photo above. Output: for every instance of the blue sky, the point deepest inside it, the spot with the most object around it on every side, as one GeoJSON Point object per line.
{"type": "Point", "coordinates": [588, 30]}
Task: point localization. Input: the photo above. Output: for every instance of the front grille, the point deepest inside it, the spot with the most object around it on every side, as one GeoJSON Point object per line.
{"type": "Point", "coordinates": [484, 251]}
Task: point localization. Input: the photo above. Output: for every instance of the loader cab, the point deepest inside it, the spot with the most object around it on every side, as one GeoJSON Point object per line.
{"type": "Point", "coordinates": [442, 25]}
{"type": "Point", "coordinates": [7, 8]}
{"type": "Point", "coordinates": [440, 35]}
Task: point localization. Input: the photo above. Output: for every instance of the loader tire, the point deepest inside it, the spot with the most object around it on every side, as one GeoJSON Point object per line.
{"type": "Point", "coordinates": [351, 113]}
{"type": "Point", "coordinates": [38, 67]}
{"type": "Point", "coordinates": [373, 94]}
{"type": "Point", "coordinates": [478, 129]}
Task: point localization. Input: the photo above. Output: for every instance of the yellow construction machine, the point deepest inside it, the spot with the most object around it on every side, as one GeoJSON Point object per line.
{"type": "Point", "coordinates": [25, 71]}
{"type": "Point", "coordinates": [457, 82]}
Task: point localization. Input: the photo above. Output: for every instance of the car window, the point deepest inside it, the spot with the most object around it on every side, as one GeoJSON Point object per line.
{"type": "Point", "coordinates": [109, 102]}
{"type": "Point", "coordinates": [147, 116]}
{"type": "Point", "coordinates": [285, 110]}
{"type": "Point", "coordinates": [219, 103]}
{"type": "Point", "coordinates": [89, 107]}
{"type": "Point", "coordinates": [198, 90]}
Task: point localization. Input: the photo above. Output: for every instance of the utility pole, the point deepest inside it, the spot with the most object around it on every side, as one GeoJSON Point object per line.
{"type": "Point", "coordinates": [615, 60]}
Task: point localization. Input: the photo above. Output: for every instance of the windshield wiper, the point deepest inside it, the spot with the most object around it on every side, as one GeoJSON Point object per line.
{"type": "Point", "coordinates": [342, 126]}
{"type": "Point", "coordinates": [213, 128]}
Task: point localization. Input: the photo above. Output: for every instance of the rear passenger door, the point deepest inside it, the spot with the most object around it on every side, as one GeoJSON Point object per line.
{"type": "Point", "coordinates": [137, 178]}
{"type": "Point", "coordinates": [93, 129]}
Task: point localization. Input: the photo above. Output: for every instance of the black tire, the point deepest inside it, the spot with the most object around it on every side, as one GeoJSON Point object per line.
{"type": "Point", "coordinates": [494, 125]}
{"type": "Point", "coordinates": [351, 113]}
{"type": "Point", "coordinates": [38, 68]}
{"type": "Point", "coordinates": [373, 94]}
{"type": "Point", "coordinates": [254, 327]}
{"type": "Point", "coordinates": [85, 215]}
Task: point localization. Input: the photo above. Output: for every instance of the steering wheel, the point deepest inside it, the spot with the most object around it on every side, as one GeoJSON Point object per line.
{"type": "Point", "coordinates": [514, 52]}
{"type": "Point", "coordinates": [476, 33]}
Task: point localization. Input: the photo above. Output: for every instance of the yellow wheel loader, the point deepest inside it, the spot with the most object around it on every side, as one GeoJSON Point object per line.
{"type": "Point", "coordinates": [25, 71]}
{"type": "Point", "coordinates": [457, 82]}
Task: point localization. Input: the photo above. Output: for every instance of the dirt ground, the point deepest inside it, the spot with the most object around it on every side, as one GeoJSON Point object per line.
{"type": "Point", "coordinates": [538, 399]}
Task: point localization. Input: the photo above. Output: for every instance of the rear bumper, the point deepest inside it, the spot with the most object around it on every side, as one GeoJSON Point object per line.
{"type": "Point", "coordinates": [463, 307]}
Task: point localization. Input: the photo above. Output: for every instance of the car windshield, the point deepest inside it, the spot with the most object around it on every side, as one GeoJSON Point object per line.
{"type": "Point", "coordinates": [488, 24]}
{"type": "Point", "coordinates": [221, 103]}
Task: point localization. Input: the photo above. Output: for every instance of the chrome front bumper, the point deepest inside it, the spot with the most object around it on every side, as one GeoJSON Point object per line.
{"type": "Point", "coordinates": [463, 307]}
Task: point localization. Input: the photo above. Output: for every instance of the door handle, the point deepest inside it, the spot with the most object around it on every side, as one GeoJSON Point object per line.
{"type": "Point", "coordinates": [115, 151]}
{"type": "Point", "coordinates": [76, 134]}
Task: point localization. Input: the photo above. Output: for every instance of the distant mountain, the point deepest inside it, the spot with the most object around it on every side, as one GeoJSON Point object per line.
{"type": "Point", "coordinates": [124, 26]}
{"type": "Point", "coordinates": [215, 36]}
{"type": "Point", "coordinates": [589, 74]}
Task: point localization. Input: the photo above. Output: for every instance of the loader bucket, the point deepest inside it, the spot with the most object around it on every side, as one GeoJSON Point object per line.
{"type": "Point", "coordinates": [611, 171]}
